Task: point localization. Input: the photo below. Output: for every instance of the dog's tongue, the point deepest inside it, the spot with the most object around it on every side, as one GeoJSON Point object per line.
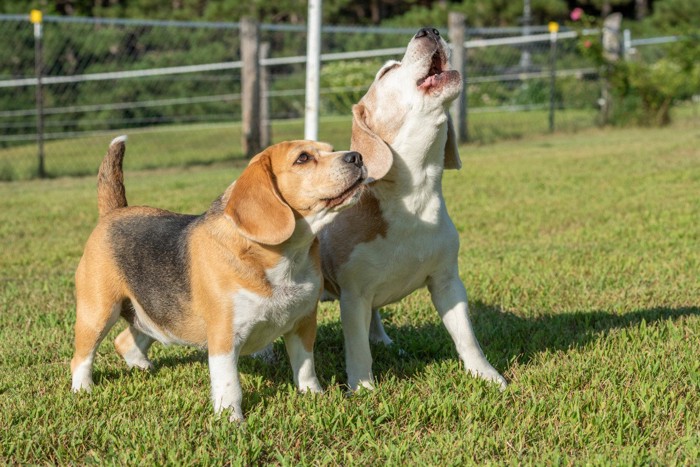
{"type": "Point", "coordinates": [429, 82]}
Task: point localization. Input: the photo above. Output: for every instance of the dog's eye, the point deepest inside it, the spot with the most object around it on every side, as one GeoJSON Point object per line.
{"type": "Point", "coordinates": [303, 158]}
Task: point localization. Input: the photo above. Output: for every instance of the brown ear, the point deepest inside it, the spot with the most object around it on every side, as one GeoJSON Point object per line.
{"type": "Point", "coordinates": [376, 154]}
{"type": "Point", "coordinates": [452, 160]}
{"type": "Point", "coordinates": [256, 207]}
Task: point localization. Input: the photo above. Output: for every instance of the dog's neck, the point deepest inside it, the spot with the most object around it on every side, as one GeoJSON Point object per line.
{"type": "Point", "coordinates": [415, 177]}
{"type": "Point", "coordinates": [419, 152]}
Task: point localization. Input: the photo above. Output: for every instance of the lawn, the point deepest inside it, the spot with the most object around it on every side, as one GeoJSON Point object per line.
{"type": "Point", "coordinates": [188, 145]}
{"type": "Point", "coordinates": [581, 254]}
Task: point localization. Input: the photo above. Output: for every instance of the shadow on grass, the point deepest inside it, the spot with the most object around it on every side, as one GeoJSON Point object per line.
{"type": "Point", "coordinates": [504, 336]}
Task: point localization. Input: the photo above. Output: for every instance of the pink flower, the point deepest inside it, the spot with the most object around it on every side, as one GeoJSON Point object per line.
{"type": "Point", "coordinates": [576, 14]}
{"type": "Point", "coordinates": [587, 44]}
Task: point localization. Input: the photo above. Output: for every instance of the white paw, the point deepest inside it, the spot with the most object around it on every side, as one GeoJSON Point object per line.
{"type": "Point", "coordinates": [312, 386]}
{"type": "Point", "coordinates": [361, 385]}
{"type": "Point", "coordinates": [381, 339]}
{"type": "Point", "coordinates": [81, 386]}
{"type": "Point", "coordinates": [266, 355]}
{"type": "Point", "coordinates": [488, 373]}
{"type": "Point", "coordinates": [236, 417]}
{"type": "Point", "coordinates": [140, 363]}
{"type": "Point", "coordinates": [82, 377]}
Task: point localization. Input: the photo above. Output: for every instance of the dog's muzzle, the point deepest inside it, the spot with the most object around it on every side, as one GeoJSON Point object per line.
{"type": "Point", "coordinates": [431, 32]}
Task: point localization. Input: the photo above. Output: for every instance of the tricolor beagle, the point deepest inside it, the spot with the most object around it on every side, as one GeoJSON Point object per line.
{"type": "Point", "coordinates": [399, 236]}
{"type": "Point", "coordinates": [232, 279]}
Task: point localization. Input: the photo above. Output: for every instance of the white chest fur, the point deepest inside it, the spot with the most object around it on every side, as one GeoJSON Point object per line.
{"type": "Point", "coordinates": [389, 268]}
{"type": "Point", "coordinates": [421, 239]}
{"type": "Point", "coordinates": [258, 320]}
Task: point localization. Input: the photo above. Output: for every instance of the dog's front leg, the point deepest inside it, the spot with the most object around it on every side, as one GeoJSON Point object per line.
{"type": "Point", "coordinates": [356, 315]}
{"type": "Point", "coordinates": [226, 392]}
{"type": "Point", "coordinates": [300, 348]}
{"type": "Point", "coordinates": [450, 298]}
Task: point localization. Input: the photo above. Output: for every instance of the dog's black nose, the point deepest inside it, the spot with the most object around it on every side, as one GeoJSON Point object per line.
{"type": "Point", "coordinates": [353, 157]}
{"type": "Point", "coordinates": [427, 32]}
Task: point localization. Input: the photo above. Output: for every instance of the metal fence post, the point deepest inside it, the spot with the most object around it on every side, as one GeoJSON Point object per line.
{"type": "Point", "coordinates": [313, 69]}
{"type": "Point", "coordinates": [626, 44]}
{"type": "Point", "coordinates": [265, 130]}
{"type": "Point", "coordinates": [250, 84]}
{"type": "Point", "coordinates": [457, 32]}
{"type": "Point", "coordinates": [35, 17]}
{"type": "Point", "coordinates": [553, 31]}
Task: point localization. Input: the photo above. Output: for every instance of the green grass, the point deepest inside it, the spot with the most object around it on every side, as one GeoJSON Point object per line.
{"type": "Point", "coordinates": [156, 147]}
{"type": "Point", "coordinates": [581, 254]}
{"type": "Point", "coordinates": [184, 146]}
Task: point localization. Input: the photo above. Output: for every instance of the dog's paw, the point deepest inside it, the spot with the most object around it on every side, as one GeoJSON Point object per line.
{"type": "Point", "coordinates": [81, 386]}
{"type": "Point", "coordinates": [140, 363]}
{"type": "Point", "coordinates": [236, 418]}
{"type": "Point", "coordinates": [381, 338]}
{"type": "Point", "coordinates": [266, 355]}
{"type": "Point", "coordinates": [312, 386]}
{"type": "Point", "coordinates": [488, 373]}
{"type": "Point", "coordinates": [359, 386]}
{"type": "Point", "coordinates": [81, 379]}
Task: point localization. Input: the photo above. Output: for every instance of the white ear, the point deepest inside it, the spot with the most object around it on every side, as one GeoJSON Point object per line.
{"type": "Point", "coordinates": [452, 159]}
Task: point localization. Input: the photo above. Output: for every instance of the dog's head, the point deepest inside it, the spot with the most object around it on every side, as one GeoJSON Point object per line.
{"type": "Point", "coordinates": [422, 82]}
{"type": "Point", "coordinates": [294, 182]}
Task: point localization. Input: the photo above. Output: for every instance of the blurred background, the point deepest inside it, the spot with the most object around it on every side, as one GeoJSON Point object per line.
{"type": "Point", "coordinates": [169, 74]}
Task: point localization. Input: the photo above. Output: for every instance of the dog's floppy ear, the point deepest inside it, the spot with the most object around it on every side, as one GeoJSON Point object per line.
{"type": "Point", "coordinates": [255, 205]}
{"type": "Point", "coordinates": [452, 160]}
{"type": "Point", "coordinates": [376, 154]}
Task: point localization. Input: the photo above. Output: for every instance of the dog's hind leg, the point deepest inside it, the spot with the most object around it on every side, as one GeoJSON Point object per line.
{"type": "Point", "coordinates": [93, 322]}
{"type": "Point", "coordinates": [377, 335]}
{"type": "Point", "coordinates": [133, 345]}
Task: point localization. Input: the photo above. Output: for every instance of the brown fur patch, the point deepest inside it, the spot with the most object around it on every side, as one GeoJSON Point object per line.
{"type": "Point", "coordinates": [306, 330]}
{"type": "Point", "coordinates": [361, 223]}
{"type": "Point", "coordinates": [255, 193]}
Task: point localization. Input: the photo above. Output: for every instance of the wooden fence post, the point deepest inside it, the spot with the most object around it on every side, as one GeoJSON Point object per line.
{"type": "Point", "coordinates": [457, 32]}
{"type": "Point", "coordinates": [250, 88]}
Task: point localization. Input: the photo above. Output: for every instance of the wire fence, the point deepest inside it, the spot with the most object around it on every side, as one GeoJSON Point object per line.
{"type": "Point", "coordinates": [175, 88]}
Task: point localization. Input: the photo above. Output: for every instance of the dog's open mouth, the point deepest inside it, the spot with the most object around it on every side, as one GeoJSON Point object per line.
{"type": "Point", "coordinates": [434, 72]}
{"type": "Point", "coordinates": [347, 194]}
{"type": "Point", "coordinates": [438, 74]}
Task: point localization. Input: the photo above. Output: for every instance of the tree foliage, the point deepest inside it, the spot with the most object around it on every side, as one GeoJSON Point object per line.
{"type": "Point", "coordinates": [408, 12]}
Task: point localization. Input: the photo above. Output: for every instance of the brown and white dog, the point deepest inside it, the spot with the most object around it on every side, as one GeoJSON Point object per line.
{"type": "Point", "coordinates": [399, 236]}
{"type": "Point", "coordinates": [232, 279]}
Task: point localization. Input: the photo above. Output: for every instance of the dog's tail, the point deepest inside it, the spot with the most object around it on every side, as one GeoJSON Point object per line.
{"type": "Point", "coordinates": [110, 178]}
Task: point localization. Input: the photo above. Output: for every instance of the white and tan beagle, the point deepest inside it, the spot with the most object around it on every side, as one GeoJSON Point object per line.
{"type": "Point", "coordinates": [232, 279]}
{"type": "Point", "coordinates": [399, 236]}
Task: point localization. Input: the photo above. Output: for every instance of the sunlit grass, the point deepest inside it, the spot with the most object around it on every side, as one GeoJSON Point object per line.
{"type": "Point", "coordinates": [581, 256]}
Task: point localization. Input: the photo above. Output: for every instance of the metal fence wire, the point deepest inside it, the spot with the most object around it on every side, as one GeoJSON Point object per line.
{"type": "Point", "coordinates": [175, 87]}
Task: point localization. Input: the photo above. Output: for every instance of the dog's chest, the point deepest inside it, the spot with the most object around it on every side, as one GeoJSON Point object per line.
{"type": "Point", "coordinates": [415, 248]}
{"type": "Point", "coordinates": [258, 320]}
